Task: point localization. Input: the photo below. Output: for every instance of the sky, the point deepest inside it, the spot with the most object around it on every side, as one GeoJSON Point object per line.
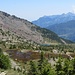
{"type": "Point", "coordinates": [33, 9]}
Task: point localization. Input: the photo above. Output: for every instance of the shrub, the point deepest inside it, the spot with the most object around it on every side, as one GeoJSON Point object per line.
{"type": "Point", "coordinates": [1, 51]}
{"type": "Point", "coordinates": [4, 62]}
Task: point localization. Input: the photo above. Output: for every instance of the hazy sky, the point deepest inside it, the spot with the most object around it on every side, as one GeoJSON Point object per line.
{"type": "Point", "coordinates": [33, 9]}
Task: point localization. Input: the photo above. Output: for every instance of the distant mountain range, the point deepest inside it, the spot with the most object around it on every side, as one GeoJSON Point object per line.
{"type": "Point", "coordinates": [12, 27]}
{"type": "Point", "coordinates": [63, 25]}
{"type": "Point", "coordinates": [65, 30]}
{"type": "Point", "coordinates": [54, 19]}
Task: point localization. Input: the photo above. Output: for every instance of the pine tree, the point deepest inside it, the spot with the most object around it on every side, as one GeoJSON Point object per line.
{"type": "Point", "coordinates": [33, 68]}
{"type": "Point", "coordinates": [4, 62]}
{"type": "Point", "coordinates": [73, 65]}
{"type": "Point", "coordinates": [59, 67]}
{"type": "Point", "coordinates": [66, 66]}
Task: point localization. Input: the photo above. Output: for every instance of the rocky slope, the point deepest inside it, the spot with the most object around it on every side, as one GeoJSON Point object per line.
{"type": "Point", "coordinates": [17, 28]}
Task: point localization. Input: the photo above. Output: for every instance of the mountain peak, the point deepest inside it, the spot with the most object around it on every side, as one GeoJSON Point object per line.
{"type": "Point", "coordinates": [70, 14]}
{"type": "Point", "coordinates": [54, 19]}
